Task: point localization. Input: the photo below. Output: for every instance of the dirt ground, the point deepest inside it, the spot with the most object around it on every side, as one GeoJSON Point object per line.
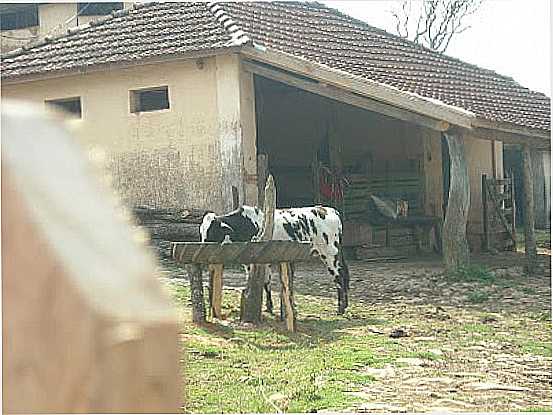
{"type": "Point", "coordinates": [477, 345]}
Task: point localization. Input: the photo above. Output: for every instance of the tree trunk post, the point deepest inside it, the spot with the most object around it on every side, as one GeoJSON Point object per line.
{"type": "Point", "coordinates": [529, 221]}
{"type": "Point", "coordinates": [196, 293]}
{"type": "Point", "coordinates": [252, 296]}
{"type": "Point", "coordinates": [455, 246]}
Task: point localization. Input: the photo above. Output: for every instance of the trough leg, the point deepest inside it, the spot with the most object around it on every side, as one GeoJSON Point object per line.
{"type": "Point", "coordinates": [267, 287]}
{"type": "Point", "coordinates": [196, 293]}
{"type": "Point", "coordinates": [216, 291]}
{"type": "Point", "coordinates": [252, 296]}
{"type": "Point", "coordinates": [286, 279]}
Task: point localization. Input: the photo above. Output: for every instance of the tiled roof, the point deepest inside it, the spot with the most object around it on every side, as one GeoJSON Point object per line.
{"type": "Point", "coordinates": [308, 30]}
{"type": "Point", "coordinates": [141, 32]}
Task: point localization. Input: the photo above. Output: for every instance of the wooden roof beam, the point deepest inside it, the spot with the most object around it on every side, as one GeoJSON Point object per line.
{"type": "Point", "coordinates": [341, 95]}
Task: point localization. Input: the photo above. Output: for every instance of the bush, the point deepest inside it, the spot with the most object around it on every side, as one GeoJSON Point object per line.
{"type": "Point", "coordinates": [473, 273]}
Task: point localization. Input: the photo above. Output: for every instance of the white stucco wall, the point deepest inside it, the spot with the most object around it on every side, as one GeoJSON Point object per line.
{"type": "Point", "coordinates": [164, 158]}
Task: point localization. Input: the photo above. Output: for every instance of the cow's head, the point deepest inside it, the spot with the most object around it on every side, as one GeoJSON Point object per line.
{"type": "Point", "coordinates": [213, 229]}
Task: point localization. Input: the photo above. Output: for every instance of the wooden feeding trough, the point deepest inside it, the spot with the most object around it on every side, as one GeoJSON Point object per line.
{"type": "Point", "coordinates": [195, 254]}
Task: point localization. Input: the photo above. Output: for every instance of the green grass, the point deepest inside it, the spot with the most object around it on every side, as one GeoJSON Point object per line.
{"type": "Point", "coordinates": [537, 348]}
{"type": "Point", "coordinates": [473, 273]}
{"type": "Point", "coordinates": [232, 369]}
{"type": "Point", "coordinates": [478, 297]}
{"type": "Point", "coordinates": [546, 409]}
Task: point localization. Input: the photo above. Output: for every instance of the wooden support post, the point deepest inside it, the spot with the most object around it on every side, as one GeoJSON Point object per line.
{"type": "Point", "coordinates": [216, 289]}
{"type": "Point", "coordinates": [252, 296]}
{"type": "Point", "coordinates": [235, 198]}
{"type": "Point", "coordinates": [529, 235]}
{"type": "Point", "coordinates": [485, 215]}
{"type": "Point", "coordinates": [288, 312]}
{"type": "Point", "coordinates": [315, 172]}
{"type": "Point", "coordinates": [262, 173]}
{"type": "Point", "coordinates": [196, 293]}
{"type": "Point", "coordinates": [455, 246]}
{"type": "Point", "coordinates": [513, 211]}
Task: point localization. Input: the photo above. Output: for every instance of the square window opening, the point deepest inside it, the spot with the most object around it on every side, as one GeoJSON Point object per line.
{"type": "Point", "coordinates": [70, 106]}
{"type": "Point", "coordinates": [26, 16]}
{"type": "Point", "coordinates": [150, 99]}
{"type": "Point", "coordinates": [98, 9]}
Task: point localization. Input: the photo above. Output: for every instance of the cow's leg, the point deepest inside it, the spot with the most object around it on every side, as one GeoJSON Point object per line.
{"type": "Point", "coordinates": [338, 269]}
{"type": "Point", "coordinates": [267, 287]}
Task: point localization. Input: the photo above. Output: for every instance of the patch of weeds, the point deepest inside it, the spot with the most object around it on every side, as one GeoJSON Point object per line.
{"type": "Point", "coordinates": [537, 348]}
{"type": "Point", "coordinates": [544, 316]}
{"type": "Point", "coordinates": [537, 409]}
{"type": "Point", "coordinates": [473, 273]}
{"type": "Point", "coordinates": [476, 328]}
{"type": "Point", "coordinates": [478, 297]}
{"type": "Point", "coordinates": [428, 356]}
{"type": "Point", "coordinates": [528, 290]}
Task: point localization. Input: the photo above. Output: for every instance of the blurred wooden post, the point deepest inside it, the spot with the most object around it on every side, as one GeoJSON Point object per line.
{"type": "Point", "coordinates": [252, 296]}
{"type": "Point", "coordinates": [86, 326]}
{"type": "Point", "coordinates": [529, 222]}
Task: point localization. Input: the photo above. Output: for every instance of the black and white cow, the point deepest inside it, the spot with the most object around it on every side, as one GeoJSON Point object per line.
{"type": "Point", "coordinates": [319, 225]}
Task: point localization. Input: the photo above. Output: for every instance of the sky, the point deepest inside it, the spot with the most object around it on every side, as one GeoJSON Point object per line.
{"type": "Point", "coordinates": [511, 37]}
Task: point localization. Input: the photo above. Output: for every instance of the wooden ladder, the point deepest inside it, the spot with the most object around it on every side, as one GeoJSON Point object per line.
{"type": "Point", "coordinates": [498, 210]}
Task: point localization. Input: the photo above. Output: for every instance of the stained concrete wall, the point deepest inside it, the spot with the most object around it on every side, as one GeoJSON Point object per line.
{"type": "Point", "coordinates": [163, 158]}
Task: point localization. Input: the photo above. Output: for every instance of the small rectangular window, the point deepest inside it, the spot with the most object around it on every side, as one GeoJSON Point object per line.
{"type": "Point", "coordinates": [26, 15]}
{"type": "Point", "coordinates": [150, 99]}
{"type": "Point", "coordinates": [97, 9]}
{"type": "Point", "coordinates": [71, 106]}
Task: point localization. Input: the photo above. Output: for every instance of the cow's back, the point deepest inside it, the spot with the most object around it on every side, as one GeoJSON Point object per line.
{"type": "Point", "coordinates": [318, 225]}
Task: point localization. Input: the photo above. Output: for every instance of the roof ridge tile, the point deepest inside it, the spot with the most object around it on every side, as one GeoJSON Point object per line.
{"type": "Point", "coordinates": [237, 36]}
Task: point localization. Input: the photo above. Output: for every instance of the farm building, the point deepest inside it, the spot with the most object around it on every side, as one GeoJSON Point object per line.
{"type": "Point", "coordinates": [192, 102]}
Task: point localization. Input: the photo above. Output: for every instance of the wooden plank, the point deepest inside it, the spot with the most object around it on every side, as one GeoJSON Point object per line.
{"type": "Point", "coordinates": [529, 221]}
{"type": "Point", "coordinates": [286, 296]}
{"type": "Point", "coordinates": [364, 88]}
{"type": "Point", "coordinates": [485, 215]}
{"type": "Point", "coordinates": [216, 292]}
{"type": "Point", "coordinates": [538, 139]}
{"type": "Point", "coordinates": [258, 252]}
{"type": "Point", "coordinates": [81, 307]}
{"type": "Point", "coordinates": [338, 94]}
{"type": "Point", "coordinates": [513, 206]}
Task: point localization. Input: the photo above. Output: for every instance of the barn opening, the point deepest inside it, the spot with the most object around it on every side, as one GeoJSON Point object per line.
{"type": "Point", "coordinates": [323, 151]}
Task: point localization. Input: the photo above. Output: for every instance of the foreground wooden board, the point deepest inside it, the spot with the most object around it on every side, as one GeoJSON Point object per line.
{"type": "Point", "coordinates": [261, 252]}
{"type": "Point", "coordinates": [86, 326]}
